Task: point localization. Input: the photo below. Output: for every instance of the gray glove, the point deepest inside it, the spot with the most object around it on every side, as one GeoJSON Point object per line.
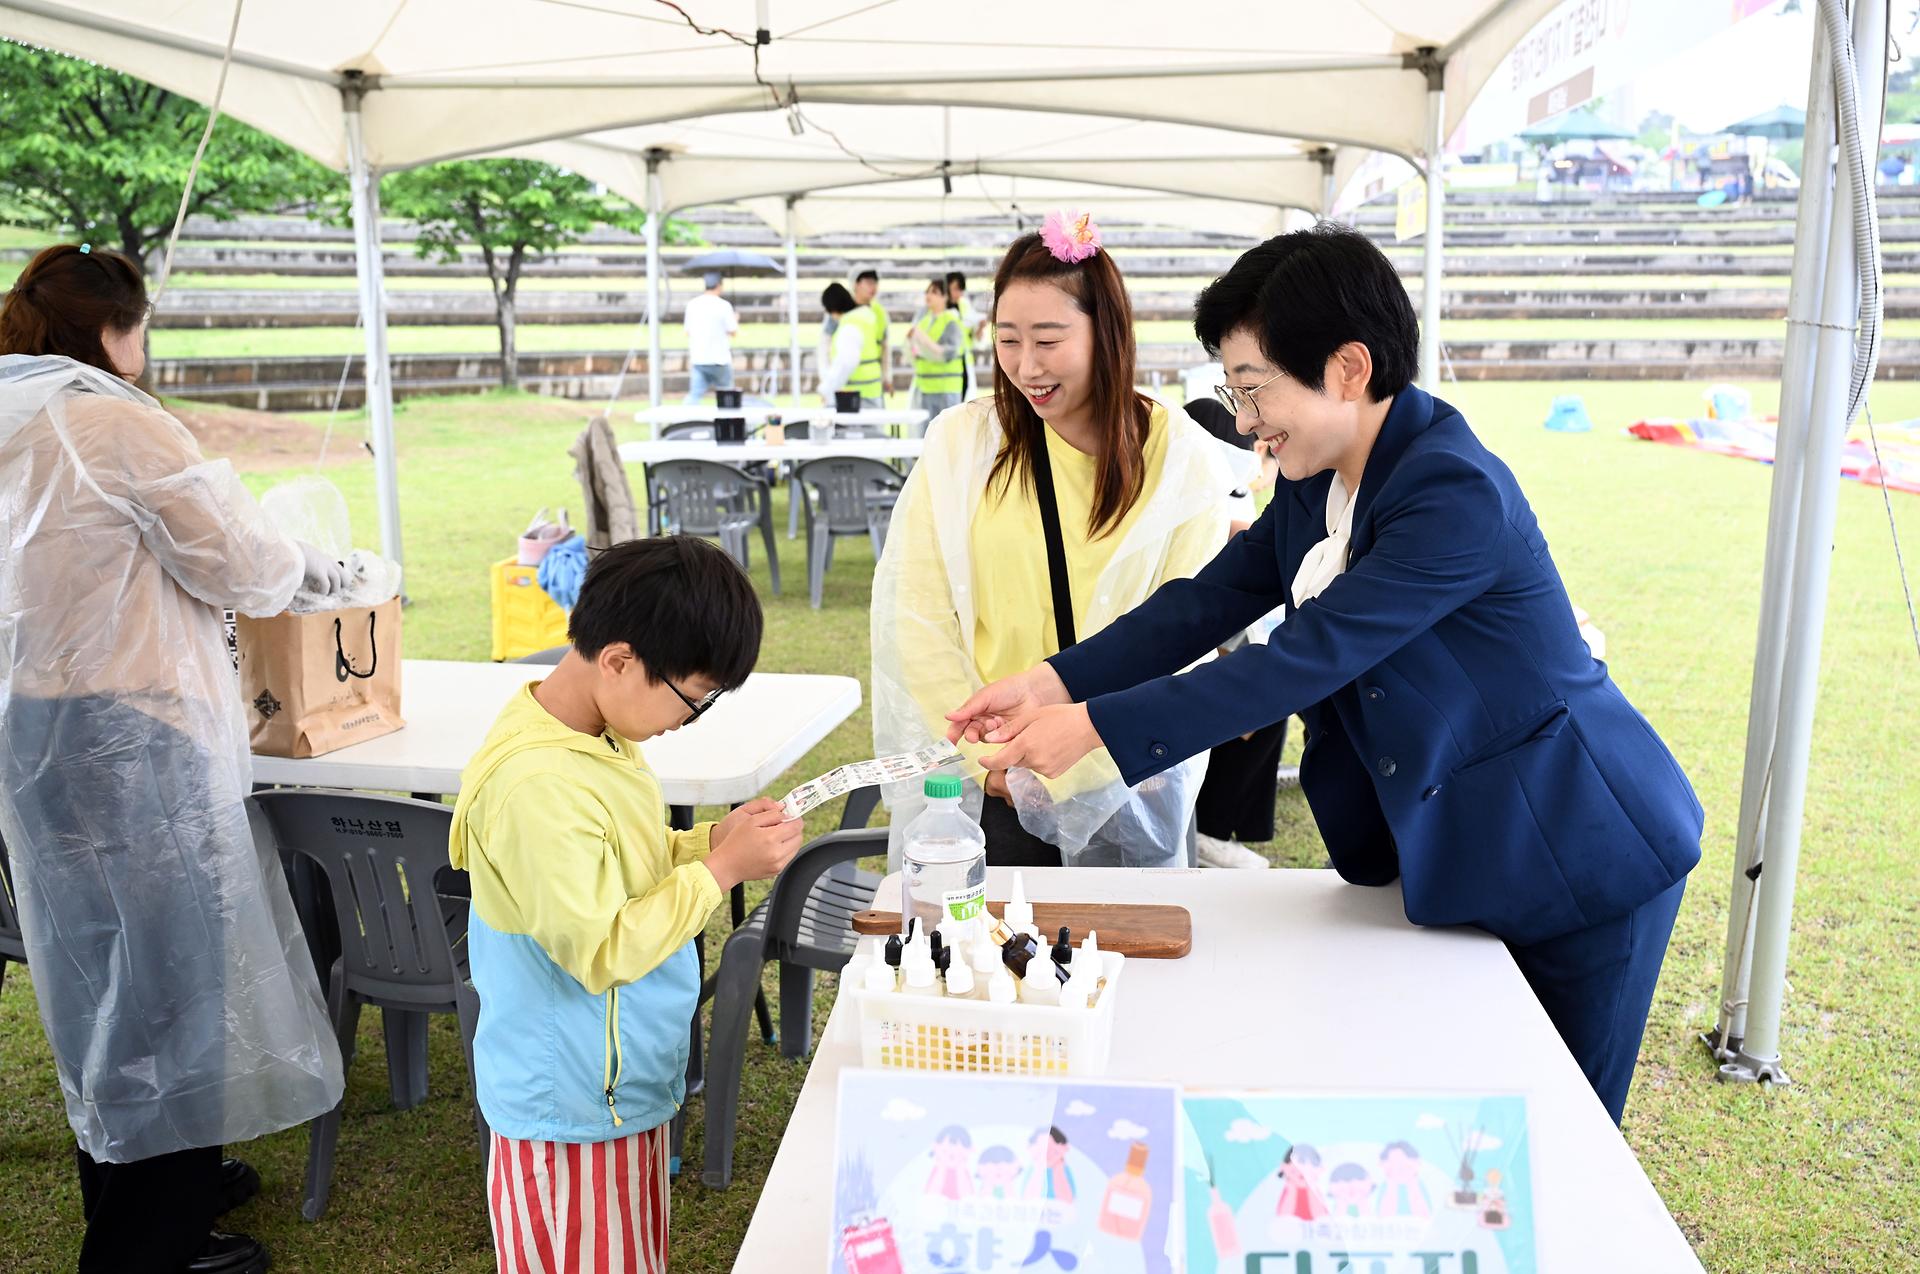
{"type": "Point", "coordinates": [320, 573]}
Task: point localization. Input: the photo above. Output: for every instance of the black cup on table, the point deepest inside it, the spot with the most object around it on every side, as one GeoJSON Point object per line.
{"type": "Point", "coordinates": [728, 428]}
{"type": "Point", "coordinates": [846, 400]}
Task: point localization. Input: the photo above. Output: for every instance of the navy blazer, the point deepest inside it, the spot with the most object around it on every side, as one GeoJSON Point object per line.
{"type": "Point", "coordinates": [1459, 732]}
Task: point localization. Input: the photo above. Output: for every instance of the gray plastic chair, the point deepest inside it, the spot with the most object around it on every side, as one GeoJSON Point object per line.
{"type": "Point", "coordinates": [688, 431]}
{"type": "Point", "coordinates": [702, 497]}
{"type": "Point", "coordinates": [12, 946]}
{"type": "Point", "coordinates": [806, 923]}
{"type": "Point", "coordinates": [403, 916]}
{"type": "Point", "coordinates": [549, 657]}
{"type": "Point", "coordinates": [845, 495]}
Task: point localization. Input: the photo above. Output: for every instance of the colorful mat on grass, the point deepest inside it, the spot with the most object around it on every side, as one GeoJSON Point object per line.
{"type": "Point", "coordinates": [1898, 464]}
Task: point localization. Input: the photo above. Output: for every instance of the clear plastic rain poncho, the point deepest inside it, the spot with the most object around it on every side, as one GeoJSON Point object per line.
{"type": "Point", "coordinates": [172, 975]}
{"type": "Point", "coordinates": [923, 626]}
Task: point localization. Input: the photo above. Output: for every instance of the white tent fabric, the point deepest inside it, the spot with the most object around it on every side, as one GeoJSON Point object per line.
{"type": "Point", "coordinates": [722, 158]}
{"type": "Point", "coordinates": [451, 77]}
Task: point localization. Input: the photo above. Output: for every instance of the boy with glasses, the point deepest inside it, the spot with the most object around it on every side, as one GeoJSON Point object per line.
{"type": "Point", "coordinates": [585, 905]}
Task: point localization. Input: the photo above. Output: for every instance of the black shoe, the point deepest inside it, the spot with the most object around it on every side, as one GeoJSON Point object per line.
{"type": "Point", "coordinates": [238, 1183]}
{"type": "Point", "coordinates": [229, 1254]}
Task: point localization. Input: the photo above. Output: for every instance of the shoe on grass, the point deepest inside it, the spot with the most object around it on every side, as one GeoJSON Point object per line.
{"type": "Point", "coordinates": [1215, 852]}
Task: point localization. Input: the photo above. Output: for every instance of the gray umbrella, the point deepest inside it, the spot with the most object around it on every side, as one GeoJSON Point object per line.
{"type": "Point", "coordinates": [1576, 125]}
{"type": "Point", "coordinates": [1782, 123]}
{"type": "Point", "coordinates": [732, 262]}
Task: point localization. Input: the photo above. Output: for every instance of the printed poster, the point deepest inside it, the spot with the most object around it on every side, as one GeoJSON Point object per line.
{"type": "Point", "coordinates": [1296, 1184]}
{"type": "Point", "coordinates": [990, 1175]}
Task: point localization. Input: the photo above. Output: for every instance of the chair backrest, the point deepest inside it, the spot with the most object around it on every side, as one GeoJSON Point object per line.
{"type": "Point", "coordinates": [847, 487]}
{"type": "Point", "coordinates": [688, 431]}
{"type": "Point", "coordinates": [787, 900]}
{"type": "Point", "coordinates": [550, 656]}
{"type": "Point", "coordinates": [700, 497]}
{"type": "Point", "coordinates": [12, 946]}
{"type": "Point", "coordinates": [852, 429]}
{"type": "Point", "coordinates": [385, 860]}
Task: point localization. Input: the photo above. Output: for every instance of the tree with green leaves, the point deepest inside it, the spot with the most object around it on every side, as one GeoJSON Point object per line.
{"type": "Point", "coordinates": [88, 151]}
{"type": "Point", "coordinates": [509, 209]}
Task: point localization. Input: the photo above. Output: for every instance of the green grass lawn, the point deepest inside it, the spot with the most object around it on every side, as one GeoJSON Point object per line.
{"type": "Point", "coordinates": [1662, 545]}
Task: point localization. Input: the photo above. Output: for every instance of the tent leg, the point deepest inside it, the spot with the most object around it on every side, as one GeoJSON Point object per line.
{"type": "Point", "coordinates": [1759, 1054]}
{"type": "Point", "coordinates": [1434, 249]}
{"type": "Point", "coordinates": [1796, 402]}
{"type": "Point", "coordinates": [655, 210]}
{"type": "Point", "coordinates": [793, 303]}
{"type": "Point", "coordinates": [364, 184]}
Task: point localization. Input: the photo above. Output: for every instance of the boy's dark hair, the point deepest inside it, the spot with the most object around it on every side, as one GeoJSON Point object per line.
{"type": "Point", "coordinates": [997, 1154]}
{"type": "Point", "coordinates": [1349, 1172]}
{"type": "Point", "coordinates": [954, 276]}
{"type": "Point", "coordinates": [956, 1134]}
{"type": "Point", "coordinates": [683, 605]}
{"type": "Point", "coordinates": [1404, 1147]}
{"type": "Point", "coordinates": [835, 299]}
{"type": "Point", "coordinates": [864, 275]}
{"type": "Point", "coordinates": [1304, 295]}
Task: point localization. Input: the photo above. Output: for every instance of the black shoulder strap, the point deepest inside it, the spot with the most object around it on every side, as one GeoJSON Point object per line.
{"type": "Point", "coordinates": [1056, 545]}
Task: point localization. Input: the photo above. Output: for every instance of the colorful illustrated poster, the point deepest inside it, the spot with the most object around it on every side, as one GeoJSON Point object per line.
{"type": "Point", "coordinates": [989, 1175]}
{"type": "Point", "coordinates": [1279, 1184]}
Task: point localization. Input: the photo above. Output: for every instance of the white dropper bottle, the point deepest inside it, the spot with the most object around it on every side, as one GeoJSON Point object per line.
{"type": "Point", "coordinates": [1000, 987]}
{"type": "Point", "coordinates": [1018, 913]}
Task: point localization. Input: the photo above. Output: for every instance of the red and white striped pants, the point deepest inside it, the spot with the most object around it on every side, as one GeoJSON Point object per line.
{"type": "Point", "coordinates": [560, 1207]}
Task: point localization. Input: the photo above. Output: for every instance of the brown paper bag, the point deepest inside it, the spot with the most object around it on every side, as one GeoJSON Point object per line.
{"type": "Point", "coordinates": [315, 683]}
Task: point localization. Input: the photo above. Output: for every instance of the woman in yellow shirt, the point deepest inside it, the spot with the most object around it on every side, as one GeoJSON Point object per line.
{"type": "Point", "coordinates": [967, 589]}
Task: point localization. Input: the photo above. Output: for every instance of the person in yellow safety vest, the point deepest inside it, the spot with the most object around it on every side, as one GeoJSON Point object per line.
{"type": "Point", "coordinates": [866, 285]}
{"type": "Point", "coordinates": [936, 339]}
{"type": "Point", "coordinates": [971, 327]}
{"type": "Point", "coordinates": [843, 343]}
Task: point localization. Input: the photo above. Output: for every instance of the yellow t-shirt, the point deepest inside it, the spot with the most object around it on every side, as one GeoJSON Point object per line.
{"type": "Point", "coordinates": [1013, 625]}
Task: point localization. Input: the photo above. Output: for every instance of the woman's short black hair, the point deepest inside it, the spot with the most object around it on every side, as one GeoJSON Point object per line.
{"type": "Point", "coordinates": [683, 605]}
{"type": "Point", "coordinates": [835, 299]}
{"type": "Point", "coordinates": [957, 279]}
{"type": "Point", "coordinates": [865, 275]}
{"type": "Point", "coordinates": [1304, 295]}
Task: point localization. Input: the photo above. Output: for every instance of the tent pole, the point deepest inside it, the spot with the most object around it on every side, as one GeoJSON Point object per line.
{"type": "Point", "coordinates": [1324, 155]}
{"type": "Point", "coordinates": [1759, 1055]}
{"type": "Point", "coordinates": [793, 299]}
{"type": "Point", "coordinates": [656, 205]}
{"type": "Point", "coordinates": [1796, 400]}
{"type": "Point", "coordinates": [1433, 249]}
{"type": "Point", "coordinates": [364, 184]}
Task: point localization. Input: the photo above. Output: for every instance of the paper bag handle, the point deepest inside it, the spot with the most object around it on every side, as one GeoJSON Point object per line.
{"type": "Point", "coordinates": [343, 666]}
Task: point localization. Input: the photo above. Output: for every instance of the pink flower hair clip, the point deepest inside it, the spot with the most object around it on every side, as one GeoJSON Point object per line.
{"type": "Point", "coordinates": [1070, 238]}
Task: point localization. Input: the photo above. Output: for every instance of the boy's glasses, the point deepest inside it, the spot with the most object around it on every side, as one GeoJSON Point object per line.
{"type": "Point", "coordinates": [695, 710]}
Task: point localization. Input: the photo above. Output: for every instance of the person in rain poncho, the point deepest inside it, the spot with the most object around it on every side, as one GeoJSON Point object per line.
{"type": "Point", "coordinates": [964, 593]}
{"type": "Point", "coordinates": [172, 976]}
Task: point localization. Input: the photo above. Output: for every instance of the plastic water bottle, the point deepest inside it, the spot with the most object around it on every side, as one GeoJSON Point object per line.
{"type": "Point", "coordinates": [944, 860]}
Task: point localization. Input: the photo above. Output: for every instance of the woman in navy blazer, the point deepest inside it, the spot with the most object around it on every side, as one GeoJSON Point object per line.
{"type": "Point", "coordinates": [1460, 736]}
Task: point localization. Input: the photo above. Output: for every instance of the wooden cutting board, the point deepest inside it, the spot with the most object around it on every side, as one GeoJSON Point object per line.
{"type": "Point", "coordinates": [1149, 931]}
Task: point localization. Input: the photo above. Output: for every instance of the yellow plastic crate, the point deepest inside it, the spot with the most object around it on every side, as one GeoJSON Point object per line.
{"type": "Point", "coordinates": [525, 620]}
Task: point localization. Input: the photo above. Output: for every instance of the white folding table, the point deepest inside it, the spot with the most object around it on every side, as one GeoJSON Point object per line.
{"type": "Point", "coordinates": [770, 453]}
{"type": "Point", "coordinates": [1300, 982]}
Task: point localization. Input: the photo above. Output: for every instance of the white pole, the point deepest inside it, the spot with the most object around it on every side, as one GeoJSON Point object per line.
{"type": "Point", "coordinates": [1804, 295]}
{"type": "Point", "coordinates": [656, 205]}
{"type": "Point", "coordinates": [1327, 192]}
{"type": "Point", "coordinates": [793, 299]}
{"type": "Point", "coordinates": [1759, 1056]}
{"type": "Point", "coordinates": [364, 184]}
{"type": "Point", "coordinates": [1434, 248]}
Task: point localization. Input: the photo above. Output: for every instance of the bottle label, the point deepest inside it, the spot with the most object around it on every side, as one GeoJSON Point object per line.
{"type": "Point", "coordinates": [1125, 1205]}
{"type": "Point", "coordinates": [966, 904]}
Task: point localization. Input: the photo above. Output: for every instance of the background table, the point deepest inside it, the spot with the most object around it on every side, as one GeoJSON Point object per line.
{"type": "Point", "coordinates": [683, 413]}
{"type": "Point", "coordinates": [1298, 981]}
{"type": "Point", "coordinates": [783, 453]}
{"type": "Point", "coordinates": [746, 742]}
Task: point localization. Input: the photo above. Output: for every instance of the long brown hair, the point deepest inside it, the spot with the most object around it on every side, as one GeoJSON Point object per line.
{"type": "Point", "coordinates": [66, 298]}
{"type": "Point", "coordinates": [1123, 415]}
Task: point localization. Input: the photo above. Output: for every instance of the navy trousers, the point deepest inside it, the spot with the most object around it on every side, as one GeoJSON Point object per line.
{"type": "Point", "coordinates": [1597, 985]}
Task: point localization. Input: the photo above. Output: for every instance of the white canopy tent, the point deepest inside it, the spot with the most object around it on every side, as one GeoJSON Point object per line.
{"type": "Point", "coordinates": [365, 85]}
{"type": "Point", "coordinates": [877, 167]}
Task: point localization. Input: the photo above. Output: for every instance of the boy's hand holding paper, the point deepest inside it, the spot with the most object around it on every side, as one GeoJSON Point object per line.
{"type": "Point", "coordinates": [754, 842]}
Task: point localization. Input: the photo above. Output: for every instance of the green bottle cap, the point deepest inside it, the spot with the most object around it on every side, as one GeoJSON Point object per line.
{"type": "Point", "coordinates": [942, 786]}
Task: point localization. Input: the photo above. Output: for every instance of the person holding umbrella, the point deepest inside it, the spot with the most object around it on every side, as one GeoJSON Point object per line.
{"type": "Point", "coordinates": [710, 324]}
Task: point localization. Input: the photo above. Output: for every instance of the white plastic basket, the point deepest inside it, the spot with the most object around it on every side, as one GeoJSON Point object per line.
{"type": "Point", "coordinates": [916, 1032]}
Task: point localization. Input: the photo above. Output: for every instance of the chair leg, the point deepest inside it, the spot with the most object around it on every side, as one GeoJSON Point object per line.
{"type": "Point", "coordinates": [796, 1010]}
{"type": "Point", "coordinates": [818, 553]}
{"type": "Point", "coordinates": [766, 536]}
{"type": "Point", "coordinates": [406, 1056]}
{"type": "Point", "coordinates": [793, 502]}
{"type": "Point", "coordinates": [466, 1002]}
{"type": "Point", "coordinates": [323, 1133]}
{"type": "Point", "coordinates": [736, 986]}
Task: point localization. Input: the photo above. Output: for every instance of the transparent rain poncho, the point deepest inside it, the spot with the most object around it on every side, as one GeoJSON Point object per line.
{"type": "Point", "coordinates": [172, 975]}
{"type": "Point", "coordinates": [923, 629]}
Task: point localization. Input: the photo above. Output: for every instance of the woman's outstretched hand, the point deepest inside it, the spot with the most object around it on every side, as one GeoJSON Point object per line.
{"type": "Point", "coordinates": [1050, 741]}
{"type": "Point", "coordinates": [997, 713]}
